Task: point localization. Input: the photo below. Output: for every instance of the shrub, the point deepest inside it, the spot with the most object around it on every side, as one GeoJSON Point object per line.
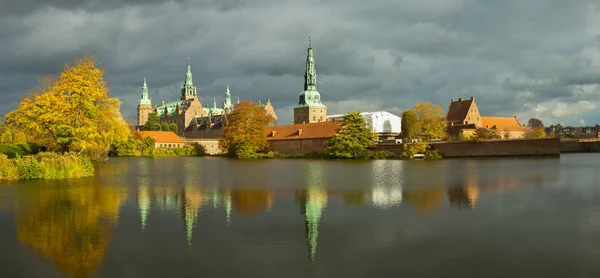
{"type": "Point", "coordinates": [273, 155]}
{"type": "Point", "coordinates": [46, 166]}
{"type": "Point", "coordinates": [433, 155]}
{"type": "Point", "coordinates": [383, 155]}
{"type": "Point", "coordinates": [8, 171]}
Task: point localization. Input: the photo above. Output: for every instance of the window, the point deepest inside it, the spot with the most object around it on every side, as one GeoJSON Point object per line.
{"type": "Point", "coordinates": [314, 118]}
{"type": "Point", "coordinates": [169, 145]}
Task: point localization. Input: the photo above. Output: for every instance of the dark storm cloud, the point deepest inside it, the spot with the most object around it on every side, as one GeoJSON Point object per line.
{"type": "Point", "coordinates": [527, 58]}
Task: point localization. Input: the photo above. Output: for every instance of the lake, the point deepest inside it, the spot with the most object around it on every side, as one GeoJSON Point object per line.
{"type": "Point", "coordinates": [218, 217]}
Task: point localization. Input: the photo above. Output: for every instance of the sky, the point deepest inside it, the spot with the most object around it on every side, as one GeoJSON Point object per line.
{"type": "Point", "coordinates": [534, 58]}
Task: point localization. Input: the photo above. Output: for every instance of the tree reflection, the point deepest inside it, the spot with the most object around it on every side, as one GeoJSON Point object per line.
{"type": "Point", "coordinates": [463, 197]}
{"type": "Point", "coordinates": [249, 201]}
{"type": "Point", "coordinates": [69, 224]}
{"type": "Point", "coordinates": [425, 200]}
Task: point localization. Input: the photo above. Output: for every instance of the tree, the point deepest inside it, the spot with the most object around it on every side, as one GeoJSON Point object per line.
{"type": "Point", "coordinates": [6, 137]}
{"type": "Point", "coordinates": [535, 133]}
{"type": "Point", "coordinates": [408, 124]}
{"type": "Point", "coordinates": [486, 134]}
{"type": "Point", "coordinates": [173, 128]}
{"type": "Point", "coordinates": [430, 121]}
{"type": "Point", "coordinates": [153, 123]}
{"type": "Point", "coordinates": [164, 127]}
{"type": "Point", "coordinates": [535, 123]}
{"type": "Point", "coordinates": [72, 112]}
{"type": "Point", "coordinates": [352, 139]}
{"type": "Point", "coordinates": [244, 133]}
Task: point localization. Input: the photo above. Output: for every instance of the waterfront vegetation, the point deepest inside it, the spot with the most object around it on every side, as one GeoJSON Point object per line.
{"type": "Point", "coordinates": [46, 165]}
{"type": "Point", "coordinates": [244, 134]}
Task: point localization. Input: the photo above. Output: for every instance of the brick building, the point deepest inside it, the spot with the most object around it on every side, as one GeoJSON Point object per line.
{"type": "Point", "coordinates": [463, 118]}
{"type": "Point", "coordinates": [163, 139]}
{"type": "Point", "coordinates": [301, 138]}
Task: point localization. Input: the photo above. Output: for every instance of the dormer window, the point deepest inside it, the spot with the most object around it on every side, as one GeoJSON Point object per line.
{"type": "Point", "coordinates": [272, 133]}
{"type": "Point", "coordinates": [298, 132]}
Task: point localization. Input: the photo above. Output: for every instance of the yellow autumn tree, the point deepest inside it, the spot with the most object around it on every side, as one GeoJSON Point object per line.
{"type": "Point", "coordinates": [72, 112]}
{"type": "Point", "coordinates": [430, 121]}
{"type": "Point", "coordinates": [244, 133]}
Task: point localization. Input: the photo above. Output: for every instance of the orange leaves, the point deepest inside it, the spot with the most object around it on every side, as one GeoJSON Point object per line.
{"type": "Point", "coordinates": [244, 132]}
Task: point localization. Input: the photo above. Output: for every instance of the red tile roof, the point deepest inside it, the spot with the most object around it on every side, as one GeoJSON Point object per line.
{"type": "Point", "coordinates": [306, 131]}
{"type": "Point", "coordinates": [161, 136]}
{"type": "Point", "coordinates": [458, 110]}
{"type": "Point", "coordinates": [501, 123]}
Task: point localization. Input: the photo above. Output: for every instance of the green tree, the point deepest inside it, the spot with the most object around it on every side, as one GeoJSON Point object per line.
{"type": "Point", "coordinates": [535, 123]}
{"type": "Point", "coordinates": [486, 134]}
{"type": "Point", "coordinates": [244, 133]}
{"type": "Point", "coordinates": [153, 123]}
{"type": "Point", "coordinates": [353, 139]}
{"type": "Point", "coordinates": [430, 121]}
{"type": "Point", "coordinates": [173, 128]}
{"type": "Point", "coordinates": [408, 124]}
{"type": "Point", "coordinates": [72, 112]}
{"type": "Point", "coordinates": [164, 127]}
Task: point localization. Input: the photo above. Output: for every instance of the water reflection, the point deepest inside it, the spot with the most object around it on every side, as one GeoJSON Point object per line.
{"type": "Point", "coordinates": [72, 222]}
{"type": "Point", "coordinates": [69, 223]}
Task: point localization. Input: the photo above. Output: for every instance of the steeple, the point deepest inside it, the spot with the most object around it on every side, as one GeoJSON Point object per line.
{"type": "Point", "coordinates": [145, 99]}
{"type": "Point", "coordinates": [310, 75]}
{"type": "Point", "coordinates": [188, 91]}
{"type": "Point", "coordinates": [188, 75]}
{"type": "Point", "coordinates": [238, 100]}
{"type": "Point", "coordinates": [227, 104]}
{"type": "Point", "coordinates": [215, 103]}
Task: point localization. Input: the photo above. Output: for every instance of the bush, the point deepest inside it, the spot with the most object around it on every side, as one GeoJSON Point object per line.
{"type": "Point", "coordinates": [46, 166]}
{"type": "Point", "coordinates": [383, 155]}
{"type": "Point", "coordinates": [433, 155]}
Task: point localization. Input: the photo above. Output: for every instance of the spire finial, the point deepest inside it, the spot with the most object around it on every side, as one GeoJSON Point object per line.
{"type": "Point", "coordinates": [309, 42]}
{"type": "Point", "coordinates": [238, 99]}
{"type": "Point", "coordinates": [144, 81]}
{"type": "Point", "coordinates": [215, 102]}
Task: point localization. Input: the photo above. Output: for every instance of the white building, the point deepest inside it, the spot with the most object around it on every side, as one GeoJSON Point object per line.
{"type": "Point", "coordinates": [381, 122]}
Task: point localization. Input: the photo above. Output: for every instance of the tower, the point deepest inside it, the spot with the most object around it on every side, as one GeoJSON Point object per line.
{"type": "Point", "coordinates": [188, 91]}
{"type": "Point", "coordinates": [309, 108]}
{"type": "Point", "coordinates": [144, 105]}
{"type": "Point", "coordinates": [227, 105]}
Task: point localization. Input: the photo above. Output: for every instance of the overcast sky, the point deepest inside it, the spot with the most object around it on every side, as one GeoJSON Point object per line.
{"type": "Point", "coordinates": [534, 58]}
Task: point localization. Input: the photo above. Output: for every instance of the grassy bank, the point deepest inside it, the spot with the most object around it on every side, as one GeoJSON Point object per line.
{"type": "Point", "coordinates": [45, 165]}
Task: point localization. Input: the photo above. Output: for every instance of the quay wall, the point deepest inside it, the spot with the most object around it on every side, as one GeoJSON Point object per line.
{"type": "Point", "coordinates": [579, 146]}
{"type": "Point", "coordinates": [492, 148]}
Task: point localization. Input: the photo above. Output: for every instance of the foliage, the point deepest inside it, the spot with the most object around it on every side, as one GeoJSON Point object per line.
{"type": "Point", "coordinates": [352, 139]}
{"type": "Point", "coordinates": [46, 166]}
{"type": "Point", "coordinates": [535, 123]}
{"type": "Point", "coordinates": [486, 134]}
{"type": "Point", "coordinates": [164, 127]}
{"type": "Point", "coordinates": [430, 121]}
{"type": "Point", "coordinates": [433, 155]}
{"type": "Point", "coordinates": [134, 147]}
{"type": "Point", "coordinates": [173, 128]}
{"type": "Point", "coordinates": [410, 149]}
{"type": "Point", "coordinates": [535, 133]}
{"type": "Point", "coordinates": [153, 123]}
{"type": "Point", "coordinates": [408, 123]}
{"type": "Point", "coordinates": [244, 133]}
{"type": "Point", "coordinates": [383, 155]}
{"type": "Point", "coordinates": [20, 149]}
{"type": "Point", "coordinates": [72, 112]}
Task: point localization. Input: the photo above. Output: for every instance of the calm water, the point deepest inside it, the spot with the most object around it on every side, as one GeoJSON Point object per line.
{"type": "Point", "coordinates": [214, 217]}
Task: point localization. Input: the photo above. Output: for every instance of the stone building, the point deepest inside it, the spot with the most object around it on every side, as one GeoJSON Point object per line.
{"type": "Point", "coordinates": [192, 119]}
{"type": "Point", "coordinates": [463, 119]}
{"type": "Point", "coordinates": [309, 108]}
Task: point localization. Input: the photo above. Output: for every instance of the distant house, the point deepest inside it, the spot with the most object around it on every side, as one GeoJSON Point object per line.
{"type": "Point", "coordinates": [463, 119]}
{"type": "Point", "coordinates": [301, 138]}
{"type": "Point", "coordinates": [383, 123]}
{"type": "Point", "coordinates": [163, 139]}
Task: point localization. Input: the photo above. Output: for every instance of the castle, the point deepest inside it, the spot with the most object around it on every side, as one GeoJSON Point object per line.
{"type": "Point", "coordinates": [192, 120]}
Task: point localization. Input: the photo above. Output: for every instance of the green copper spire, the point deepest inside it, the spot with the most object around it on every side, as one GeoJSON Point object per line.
{"type": "Point", "coordinates": [227, 98]}
{"type": "Point", "coordinates": [188, 75]}
{"type": "Point", "coordinates": [310, 96]}
{"type": "Point", "coordinates": [310, 75]}
{"type": "Point", "coordinates": [188, 90]}
{"type": "Point", "coordinates": [145, 99]}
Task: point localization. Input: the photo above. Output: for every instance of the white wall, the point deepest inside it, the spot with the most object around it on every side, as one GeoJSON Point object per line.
{"type": "Point", "coordinates": [379, 122]}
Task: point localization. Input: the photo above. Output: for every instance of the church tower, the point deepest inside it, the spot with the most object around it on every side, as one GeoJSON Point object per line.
{"type": "Point", "coordinates": [144, 106]}
{"type": "Point", "coordinates": [309, 108]}
{"type": "Point", "coordinates": [188, 91]}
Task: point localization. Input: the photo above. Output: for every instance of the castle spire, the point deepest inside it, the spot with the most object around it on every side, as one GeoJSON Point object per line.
{"type": "Point", "coordinates": [214, 102]}
{"type": "Point", "coordinates": [227, 104]}
{"type": "Point", "coordinates": [144, 99]}
{"type": "Point", "coordinates": [188, 74]}
{"type": "Point", "coordinates": [310, 75]}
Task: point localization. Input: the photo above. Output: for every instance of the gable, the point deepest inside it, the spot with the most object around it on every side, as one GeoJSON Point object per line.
{"type": "Point", "coordinates": [458, 110]}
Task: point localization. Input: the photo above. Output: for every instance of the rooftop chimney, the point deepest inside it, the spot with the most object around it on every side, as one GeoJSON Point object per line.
{"type": "Point", "coordinates": [459, 99]}
{"type": "Point", "coordinates": [472, 98]}
{"type": "Point", "coordinates": [451, 100]}
{"type": "Point", "coordinates": [162, 103]}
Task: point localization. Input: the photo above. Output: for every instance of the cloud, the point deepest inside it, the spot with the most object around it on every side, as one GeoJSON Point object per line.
{"type": "Point", "coordinates": [513, 56]}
